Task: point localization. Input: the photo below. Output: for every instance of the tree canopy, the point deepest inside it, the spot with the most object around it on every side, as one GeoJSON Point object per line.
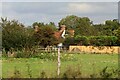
{"type": "Point", "coordinates": [16, 35]}
{"type": "Point", "coordinates": [81, 25]}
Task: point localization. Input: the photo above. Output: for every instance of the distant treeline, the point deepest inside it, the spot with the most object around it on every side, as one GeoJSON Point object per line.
{"type": "Point", "coordinates": [17, 36]}
{"type": "Point", "coordinates": [92, 40]}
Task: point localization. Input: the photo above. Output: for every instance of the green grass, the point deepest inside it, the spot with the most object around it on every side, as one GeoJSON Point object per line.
{"type": "Point", "coordinates": [88, 64]}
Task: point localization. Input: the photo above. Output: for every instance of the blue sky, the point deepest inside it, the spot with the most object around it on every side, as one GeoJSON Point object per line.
{"type": "Point", "coordinates": [32, 11]}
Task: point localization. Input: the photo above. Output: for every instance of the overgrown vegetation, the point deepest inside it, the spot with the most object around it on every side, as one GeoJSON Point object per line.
{"type": "Point", "coordinates": [72, 66]}
{"type": "Point", "coordinates": [41, 55]}
{"type": "Point", "coordinates": [16, 36]}
{"type": "Point", "coordinates": [104, 66]}
{"type": "Point", "coordinates": [17, 73]}
{"type": "Point", "coordinates": [92, 40]}
{"type": "Point", "coordinates": [20, 41]}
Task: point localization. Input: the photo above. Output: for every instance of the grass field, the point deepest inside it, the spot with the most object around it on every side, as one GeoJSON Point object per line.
{"type": "Point", "coordinates": [35, 67]}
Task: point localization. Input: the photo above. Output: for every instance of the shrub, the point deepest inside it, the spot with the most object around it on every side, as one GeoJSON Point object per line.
{"type": "Point", "coordinates": [69, 41]}
{"type": "Point", "coordinates": [103, 40]}
{"type": "Point", "coordinates": [81, 40]}
{"type": "Point", "coordinates": [92, 40]}
{"type": "Point", "coordinates": [96, 40]}
{"type": "Point", "coordinates": [24, 54]}
{"type": "Point", "coordinates": [112, 40]}
{"type": "Point", "coordinates": [16, 36]}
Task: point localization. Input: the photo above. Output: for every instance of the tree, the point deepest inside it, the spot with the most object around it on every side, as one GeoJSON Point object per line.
{"type": "Point", "coordinates": [15, 35]}
{"type": "Point", "coordinates": [82, 26]}
{"type": "Point", "coordinates": [44, 36]}
{"type": "Point", "coordinates": [37, 24]}
{"type": "Point", "coordinates": [108, 28]}
{"type": "Point", "coordinates": [117, 33]}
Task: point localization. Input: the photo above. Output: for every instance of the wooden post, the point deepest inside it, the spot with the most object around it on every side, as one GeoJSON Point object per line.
{"type": "Point", "coordinates": [62, 30]}
{"type": "Point", "coordinates": [58, 68]}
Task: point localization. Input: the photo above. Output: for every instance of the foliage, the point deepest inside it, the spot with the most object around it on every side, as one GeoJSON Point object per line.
{"type": "Point", "coordinates": [44, 36]}
{"type": "Point", "coordinates": [23, 54]}
{"type": "Point", "coordinates": [69, 41]}
{"type": "Point", "coordinates": [92, 40]}
{"type": "Point", "coordinates": [53, 56]}
{"type": "Point", "coordinates": [117, 33]}
{"type": "Point", "coordinates": [42, 55]}
{"type": "Point", "coordinates": [103, 40]}
{"type": "Point", "coordinates": [37, 24]}
{"type": "Point", "coordinates": [81, 40]}
{"type": "Point", "coordinates": [108, 28]}
{"type": "Point", "coordinates": [16, 36]}
{"type": "Point", "coordinates": [82, 26]}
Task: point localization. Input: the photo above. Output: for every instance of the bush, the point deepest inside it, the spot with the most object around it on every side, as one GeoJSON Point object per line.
{"type": "Point", "coordinates": [23, 54]}
{"type": "Point", "coordinates": [81, 40]}
{"type": "Point", "coordinates": [92, 40]}
{"type": "Point", "coordinates": [103, 40]}
{"type": "Point", "coordinates": [111, 40]}
{"type": "Point", "coordinates": [16, 36]}
{"type": "Point", "coordinates": [69, 41]}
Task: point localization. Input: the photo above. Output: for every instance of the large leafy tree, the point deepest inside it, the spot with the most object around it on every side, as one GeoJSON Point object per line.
{"type": "Point", "coordinates": [82, 26]}
{"type": "Point", "coordinates": [117, 33]}
{"type": "Point", "coordinates": [15, 35]}
{"type": "Point", "coordinates": [45, 35]}
{"type": "Point", "coordinates": [108, 28]}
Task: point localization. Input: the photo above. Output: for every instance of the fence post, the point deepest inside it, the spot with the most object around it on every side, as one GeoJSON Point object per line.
{"type": "Point", "coordinates": [58, 68]}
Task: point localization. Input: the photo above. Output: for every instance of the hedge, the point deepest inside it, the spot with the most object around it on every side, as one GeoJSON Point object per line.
{"type": "Point", "coordinates": [103, 40]}
{"type": "Point", "coordinates": [81, 40]}
{"type": "Point", "coordinates": [92, 40]}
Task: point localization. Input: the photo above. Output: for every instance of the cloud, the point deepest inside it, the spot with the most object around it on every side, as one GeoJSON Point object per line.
{"type": "Point", "coordinates": [29, 12]}
{"type": "Point", "coordinates": [0, 9]}
{"type": "Point", "coordinates": [95, 7]}
{"type": "Point", "coordinates": [76, 7]}
{"type": "Point", "coordinates": [59, 0]}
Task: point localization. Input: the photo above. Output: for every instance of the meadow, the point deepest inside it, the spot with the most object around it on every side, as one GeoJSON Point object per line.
{"type": "Point", "coordinates": [79, 65]}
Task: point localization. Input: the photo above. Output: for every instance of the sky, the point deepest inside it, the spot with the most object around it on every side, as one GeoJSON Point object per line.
{"type": "Point", "coordinates": [30, 12]}
{"type": "Point", "coordinates": [59, 0]}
